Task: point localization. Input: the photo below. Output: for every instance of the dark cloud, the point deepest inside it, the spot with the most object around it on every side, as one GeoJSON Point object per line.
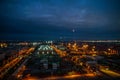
{"type": "Point", "coordinates": [52, 19]}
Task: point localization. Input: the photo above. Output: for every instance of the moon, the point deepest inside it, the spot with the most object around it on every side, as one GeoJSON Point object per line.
{"type": "Point", "coordinates": [73, 30]}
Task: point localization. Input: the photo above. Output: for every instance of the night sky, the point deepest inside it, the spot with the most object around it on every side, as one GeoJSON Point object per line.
{"type": "Point", "coordinates": [59, 19]}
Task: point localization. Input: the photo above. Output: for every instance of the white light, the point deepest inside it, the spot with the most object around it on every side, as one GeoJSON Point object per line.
{"type": "Point", "coordinates": [73, 30]}
{"type": "Point", "coordinates": [42, 52]}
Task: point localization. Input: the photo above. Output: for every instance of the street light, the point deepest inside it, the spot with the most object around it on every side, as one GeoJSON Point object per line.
{"type": "Point", "coordinates": [109, 49]}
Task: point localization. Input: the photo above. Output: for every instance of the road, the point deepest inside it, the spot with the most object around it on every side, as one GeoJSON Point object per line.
{"type": "Point", "coordinates": [8, 66]}
{"type": "Point", "coordinates": [4, 70]}
{"type": "Point", "coordinates": [110, 73]}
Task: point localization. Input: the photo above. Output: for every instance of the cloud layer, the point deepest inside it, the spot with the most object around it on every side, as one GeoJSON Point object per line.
{"type": "Point", "coordinates": [98, 19]}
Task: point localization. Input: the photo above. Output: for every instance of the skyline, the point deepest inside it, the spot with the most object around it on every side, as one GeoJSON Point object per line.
{"type": "Point", "coordinates": [60, 19]}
